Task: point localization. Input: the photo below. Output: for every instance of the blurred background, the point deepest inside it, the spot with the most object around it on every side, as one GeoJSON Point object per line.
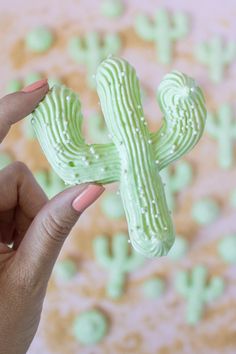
{"type": "Point", "coordinates": [102, 297]}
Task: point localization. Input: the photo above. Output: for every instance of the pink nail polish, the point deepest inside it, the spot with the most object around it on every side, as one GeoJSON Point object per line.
{"type": "Point", "coordinates": [36, 85]}
{"type": "Point", "coordinates": [87, 197]}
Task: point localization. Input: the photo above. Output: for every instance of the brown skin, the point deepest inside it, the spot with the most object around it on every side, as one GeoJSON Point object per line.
{"type": "Point", "coordinates": [37, 227]}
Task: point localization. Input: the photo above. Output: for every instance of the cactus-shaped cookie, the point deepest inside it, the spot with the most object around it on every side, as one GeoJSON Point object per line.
{"type": "Point", "coordinates": [163, 31]}
{"type": "Point", "coordinates": [197, 290]}
{"type": "Point", "coordinates": [118, 262]}
{"type": "Point", "coordinates": [222, 126]}
{"type": "Point", "coordinates": [216, 55]}
{"type": "Point", "coordinates": [175, 181]}
{"type": "Point", "coordinates": [92, 49]}
{"type": "Point", "coordinates": [135, 156]}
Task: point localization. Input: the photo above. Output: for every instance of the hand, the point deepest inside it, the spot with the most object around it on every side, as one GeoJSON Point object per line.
{"type": "Point", "coordinates": [36, 227]}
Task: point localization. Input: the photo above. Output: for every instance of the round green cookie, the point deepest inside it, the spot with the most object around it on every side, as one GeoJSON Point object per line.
{"type": "Point", "coordinates": [90, 327]}
{"type": "Point", "coordinates": [39, 40]}
{"type": "Point", "coordinates": [227, 248]}
{"type": "Point", "coordinates": [112, 8]}
{"type": "Point", "coordinates": [179, 249]}
{"type": "Point", "coordinates": [205, 211]}
{"type": "Point", "coordinates": [65, 269]}
{"type": "Point", "coordinates": [112, 206]}
{"type": "Point", "coordinates": [153, 288]}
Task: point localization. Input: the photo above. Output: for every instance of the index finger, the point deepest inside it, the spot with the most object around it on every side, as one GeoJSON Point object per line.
{"type": "Point", "coordinates": [15, 106]}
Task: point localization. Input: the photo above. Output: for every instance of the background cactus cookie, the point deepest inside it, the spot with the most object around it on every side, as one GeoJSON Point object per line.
{"type": "Point", "coordinates": [135, 165]}
{"type": "Point", "coordinates": [119, 262]}
{"type": "Point", "coordinates": [194, 287]}
{"type": "Point", "coordinates": [163, 30]}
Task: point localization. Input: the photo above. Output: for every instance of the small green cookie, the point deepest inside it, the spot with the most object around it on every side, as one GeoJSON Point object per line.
{"type": "Point", "coordinates": [65, 269]}
{"type": "Point", "coordinates": [14, 85]}
{"type": "Point", "coordinates": [205, 211]}
{"type": "Point", "coordinates": [5, 159]}
{"type": "Point", "coordinates": [227, 248]}
{"type": "Point", "coordinates": [153, 288]}
{"type": "Point", "coordinates": [112, 8]}
{"type": "Point", "coordinates": [90, 327]}
{"type": "Point", "coordinates": [39, 40]}
{"type": "Point", "coordinates": [179, 249]}
{"type": "Point", "coordinates": [112, 206]}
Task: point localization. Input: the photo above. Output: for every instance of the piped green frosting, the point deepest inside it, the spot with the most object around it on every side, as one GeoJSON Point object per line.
{"type": "Point", "coordinates": [135, 157]}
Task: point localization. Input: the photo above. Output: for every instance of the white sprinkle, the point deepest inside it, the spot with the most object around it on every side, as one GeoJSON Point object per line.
{"type": "Point", "coordinates": [153, 201]}
{"type": "Point", "coordinates": [137, 129]}
{"type": "Point", "coordinates": [129, 241]}
{"type": "Point", "coordinates": [162, 134]}
{"type": "Point", "coordinates": [142, 119]}
{"type": "Point", "coordinates": [96, 156]}
{"type": "Point", "coordinates": [91, 149]}
{"type": "Point", "coordinates": [157, 162]}
{"type": "Point", "coordinates": [68, 98]}
{"type": "Point", "coordinates": [149, 141]}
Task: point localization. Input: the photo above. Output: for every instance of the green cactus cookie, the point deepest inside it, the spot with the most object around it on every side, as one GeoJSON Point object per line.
{"type": "Point", "coordinates": [92, 49]}
{"type": "Point", "coordinates": [222, 127]}
{"type": "Point", "coordinates": [119, 262]}
{"type": "Point", "coordinates": [135, 157]}
{"type": "Point", "coordinates": [227, 248]}
{"type": "Point", "coordinates": [90, 327]}
{"type": "Point", "coordinates": [195, 288]}
{"type": "Point", "coordinates": [216, 55]}
{"type": "Point", "coordinates": [175, 181]}
{"type": "Point", "coordinates": [163, 31]}
{"type": "Point", "coordinates": [39, 39]}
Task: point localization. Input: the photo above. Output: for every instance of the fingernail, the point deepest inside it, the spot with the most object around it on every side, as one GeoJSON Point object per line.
{"type": "Point", "coordinates": [87, 197]}
{"type": "Point", "coordinates": [36, 85]}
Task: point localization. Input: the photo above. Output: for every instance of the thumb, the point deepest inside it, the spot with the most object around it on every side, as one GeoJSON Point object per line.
{"type": "Point", "coordinates": [44, 239]}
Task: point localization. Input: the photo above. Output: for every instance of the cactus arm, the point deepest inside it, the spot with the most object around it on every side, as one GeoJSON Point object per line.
{"type": "Point", "coordinates": [62, 142]}
{"type": "Point", "coordinates": [101, 250]}
{"type": "Point", "coordinates": [180, 25]}
{"type": "Point", "coordinates": [112, 45]}
{"type": "Point", "coordinates": [76, 50]}
{"type": "Point", "coordinates": [214, 289]}
{"type": "Point", "coordinates": [144, 28]}
{"type": "Point", "coordinates": [183, 106]}
{"type": "Point", "coordinates": [120, 248]}
{"type": "Point", "coordinates": [182, 283]}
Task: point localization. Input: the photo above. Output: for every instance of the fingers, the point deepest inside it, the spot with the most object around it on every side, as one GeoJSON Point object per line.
{"type": "Point", "coordinates": [21, 198]}
{"type": "Point", "coordinates": [18, 105]}
{"type": "Point", "coordinates": [43, 241]}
